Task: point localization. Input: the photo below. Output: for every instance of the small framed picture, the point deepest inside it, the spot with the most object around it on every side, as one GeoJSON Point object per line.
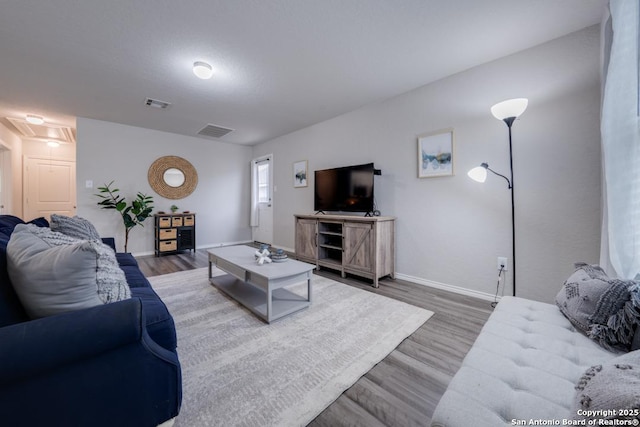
{"type": "Point", "coordinates": [300, 174]}
{"type": "Point", "coordinates": [435, 154]}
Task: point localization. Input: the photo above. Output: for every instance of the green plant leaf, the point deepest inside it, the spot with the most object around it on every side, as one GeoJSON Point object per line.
{"type": "Point", "coordinates": [134, 214]}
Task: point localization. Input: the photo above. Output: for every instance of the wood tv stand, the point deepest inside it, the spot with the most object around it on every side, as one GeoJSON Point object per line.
{"type": "Point", "coordinates": [362, 246]}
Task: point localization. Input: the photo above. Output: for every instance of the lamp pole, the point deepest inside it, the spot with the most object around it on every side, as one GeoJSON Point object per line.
{"type": "Point", "coordinates": [509, 121]}
{"type": "Point", "coordinates": [507, 111]}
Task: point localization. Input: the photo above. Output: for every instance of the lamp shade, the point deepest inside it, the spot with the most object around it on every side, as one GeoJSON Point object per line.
{"type": "Point", "coordinates": [202, 70]}
{"type": "Point", "coordinates": [479, 173]}
{"type": "Point", "coordinates": [509, 108]}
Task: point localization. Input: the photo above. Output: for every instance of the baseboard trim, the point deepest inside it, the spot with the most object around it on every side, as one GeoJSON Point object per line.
{"type": "Point", "coordinates": [220, 245]}
{"type": "Point", "coordinates": [137, 254]}
{"type": "Point", "coordinates": [206, 246]}
{"type": "Point", "coordinates": [445, 287]}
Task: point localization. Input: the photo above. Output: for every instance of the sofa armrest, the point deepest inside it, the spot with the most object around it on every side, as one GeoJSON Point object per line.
{"type": "Point", "coordinates": [35, 347]}
{"type": "Point", "coordinates": [110, 241]}
{"type": "Point", "coordinates": [96, 367]}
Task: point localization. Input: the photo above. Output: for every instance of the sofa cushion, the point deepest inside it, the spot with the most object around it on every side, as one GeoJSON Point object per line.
{"type": "Point", "coordinates": [158, 320]}
{"type": "Point", "coordinates": [53, 273]}
{"type": "Point", "coordinates": [134, 276]}
{"type": "Point", "coordinates": [77, 227]}
{"type": "Point", "coordinates": [11, 310]}
{"type": "Point", "coordinates": [614, 385]}
{"type": "Point", "coordinates": [524, 365]}
{"type": "Point", "coordinates": [125, 258]}
{"type": "Point", "coordinates": [39, 222]}
{"type": "Point", "coordinates": [9, 222]}
{"type": "Point", "coordinates": [580, 293]}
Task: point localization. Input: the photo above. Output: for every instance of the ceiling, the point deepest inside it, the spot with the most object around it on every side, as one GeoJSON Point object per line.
{"type": "Point", "coordinates": [279, 65]}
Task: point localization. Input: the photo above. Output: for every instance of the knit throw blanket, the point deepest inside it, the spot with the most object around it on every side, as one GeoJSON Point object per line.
{"type": "Point", "coordinates": [617, 315]}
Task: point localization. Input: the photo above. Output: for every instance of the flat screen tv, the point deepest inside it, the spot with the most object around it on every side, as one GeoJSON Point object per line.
{"type": "Point", "coordinates": [346, 189]}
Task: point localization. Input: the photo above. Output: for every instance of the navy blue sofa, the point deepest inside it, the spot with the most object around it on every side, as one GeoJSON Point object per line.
{"type": "Point", "coordinates": [110, 365]}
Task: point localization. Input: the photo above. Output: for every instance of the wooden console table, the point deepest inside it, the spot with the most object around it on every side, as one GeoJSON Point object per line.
{"type": "Point", "coordinates": [362, 246]}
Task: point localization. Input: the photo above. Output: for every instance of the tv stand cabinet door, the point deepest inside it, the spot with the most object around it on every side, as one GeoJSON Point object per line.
{"type": "Point", "coordinates": [359, 244]}
{"type": "Point", "coordinates": [307, 240]}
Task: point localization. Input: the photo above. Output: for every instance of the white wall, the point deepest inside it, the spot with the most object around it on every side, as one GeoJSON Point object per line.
{"type": "Point", "coordinates": [109, 151]}
{"type": "Point", "coordinates": [450, 230]}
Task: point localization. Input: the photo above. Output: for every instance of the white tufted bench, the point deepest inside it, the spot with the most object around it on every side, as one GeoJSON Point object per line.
{"type": "Point", "coordinates": [524, 365]}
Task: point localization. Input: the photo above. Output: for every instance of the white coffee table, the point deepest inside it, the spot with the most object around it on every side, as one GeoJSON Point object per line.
{"type": "Point", "coordinates": [260, 288]}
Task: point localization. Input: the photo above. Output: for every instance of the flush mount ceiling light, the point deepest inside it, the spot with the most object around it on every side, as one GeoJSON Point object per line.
{"type": "Point", "coordinates": [53, 144]}
{"type": "Point", "coordinates": [34, 120]}
{"type": "Point", "coordinates": [202, 70]}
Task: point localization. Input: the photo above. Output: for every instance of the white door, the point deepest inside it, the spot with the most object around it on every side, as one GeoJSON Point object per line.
{"type": "Point", "coordinates": [263, 188]}
{"type": "Point", "coordinates": [4, 153]}
{"type": "Point", "coordinates": [49, 187]}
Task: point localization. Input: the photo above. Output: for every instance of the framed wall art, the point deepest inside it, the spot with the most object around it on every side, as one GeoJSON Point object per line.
{"type": "Point", "coordinates": [435, 154]}
{"type": "Point", "coordinates": [300, 174]}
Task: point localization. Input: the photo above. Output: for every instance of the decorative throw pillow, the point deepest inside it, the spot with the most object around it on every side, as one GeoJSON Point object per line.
{"type": "Point", "coordinates": [53, 273]}
{"type": "Point", "coordinates": [74, 226]}
{"type": "Point", "coordinates": [617, 315]}
{"type": "Point", "coordinates": [580, 293]}
{"type": "Point", "coordinates": [609, 391]}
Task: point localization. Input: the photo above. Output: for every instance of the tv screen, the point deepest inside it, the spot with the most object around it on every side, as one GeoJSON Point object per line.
{"type": "Point", "coordinates": [346, 189]}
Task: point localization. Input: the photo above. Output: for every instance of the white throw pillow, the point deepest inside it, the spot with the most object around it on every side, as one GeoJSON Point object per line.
{"type": "Point", "coordinates": [580, 293]}
{"type": "Point", "coordinates": [53, 273]}
{"type": "Point", "coordinates": [610, 391]}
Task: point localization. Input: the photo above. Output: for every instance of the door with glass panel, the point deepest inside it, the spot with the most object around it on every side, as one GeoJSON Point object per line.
{"type": "Point", "coordinates": [262, 201]}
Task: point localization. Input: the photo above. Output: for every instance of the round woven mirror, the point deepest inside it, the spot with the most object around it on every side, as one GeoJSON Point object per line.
{"type": "Point", "coordinates": [172, 177]}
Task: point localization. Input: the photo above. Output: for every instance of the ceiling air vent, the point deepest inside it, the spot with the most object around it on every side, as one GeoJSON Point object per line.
{"type": "Point", "coordinates": [157, 104]}
{"type": "Point", "coordinates": [213, 131]}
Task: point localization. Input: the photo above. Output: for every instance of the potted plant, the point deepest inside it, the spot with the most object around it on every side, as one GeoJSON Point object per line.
{"type": "Point", "coordinates": [132, 214]}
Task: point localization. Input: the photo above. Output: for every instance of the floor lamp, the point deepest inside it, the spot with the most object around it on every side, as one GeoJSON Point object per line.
{"type": "Point", "coordinates": [506, 111]}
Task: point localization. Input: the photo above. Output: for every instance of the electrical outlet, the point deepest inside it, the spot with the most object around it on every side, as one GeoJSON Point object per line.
{"type": "Point", "coordinates": [502, 263]}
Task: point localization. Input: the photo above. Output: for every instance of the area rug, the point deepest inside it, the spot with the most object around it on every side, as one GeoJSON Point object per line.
{"type": "Point", "coordinates": [239, 371]}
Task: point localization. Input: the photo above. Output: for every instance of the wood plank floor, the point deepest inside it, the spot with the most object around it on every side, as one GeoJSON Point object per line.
{"type": "Point", "coordinates": [404, 388]}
